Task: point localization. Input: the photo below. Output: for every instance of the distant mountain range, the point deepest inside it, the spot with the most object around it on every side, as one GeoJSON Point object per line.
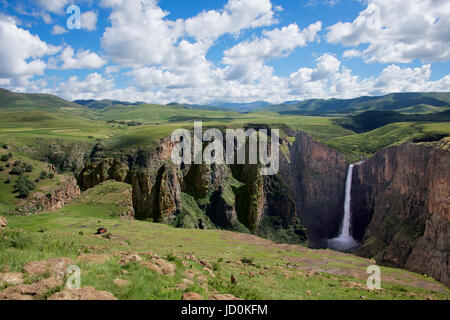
{"type": "Point", "coordinates": [406, 103]}
{"type": "Point", "coordinates": [242, 107]}
{"type": "Point", "coordinates": [198, 106]}
{"type": "Point", "coordinates": [400, 102]}
{"type": "Point", "coordinates": [102, 104]}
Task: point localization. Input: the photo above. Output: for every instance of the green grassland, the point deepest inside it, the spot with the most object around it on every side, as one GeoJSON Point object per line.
{"type": "Point", "coordinates": [368, 143]}
{"type": "Point", "coordinates": [264, 270]}
{"type": "Point", "coordinates": [37, 119]}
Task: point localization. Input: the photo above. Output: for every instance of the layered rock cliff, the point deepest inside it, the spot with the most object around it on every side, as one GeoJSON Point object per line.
{"type": "Point", "coordinates": [315, 175]}
{"type": "Point", "coordinates": [67, 190]}
{"type": "Point", "coordinates": [400, 208]}
{"type": "Point", "coordinates": [307, 192]}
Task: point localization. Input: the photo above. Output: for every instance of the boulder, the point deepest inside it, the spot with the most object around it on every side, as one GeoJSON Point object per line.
{"type": "Point", "coordinates": [166, 267]}
{"type": "Point", "coordinates": [191, 296]}
{"type": "Point", "coordinates": [93, 258]}
{"type": "Point", "coordinates": [191, 257]}
{"type": "Point", "coordinates": [152, 266]}
{"type": "Point", "coordinates": [54, 267]}
{"type": "Point", "coordinates": [86, 293]}
{"type": "Point", "coordinates": [131, 258]}
{"type": "Point", "coordinates": [224, 297]}
{"type": "Point", "coordinates": [30, 291]}
{"type": "Point", "coordinates": [11, 279]}
{"type": "Point", "coordinates": [121, 282]}
{"type": "Point", "coordinates": [206, 264]}
{"type": "Point", "coordinates": [3, 222]}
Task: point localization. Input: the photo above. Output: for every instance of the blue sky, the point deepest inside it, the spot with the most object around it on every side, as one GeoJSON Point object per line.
{"type": "Point", "coordinates": [225, 50]}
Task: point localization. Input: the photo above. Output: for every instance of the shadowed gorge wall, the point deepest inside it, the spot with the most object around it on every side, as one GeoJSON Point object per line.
{"type": "Point", "coordinates": [315, 175]}
{"type": "Point", "coordinates": [401, 201]}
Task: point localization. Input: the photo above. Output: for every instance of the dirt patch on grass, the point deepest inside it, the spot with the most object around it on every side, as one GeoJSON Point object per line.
{"type": "Point", "coordinates": [257, 241]}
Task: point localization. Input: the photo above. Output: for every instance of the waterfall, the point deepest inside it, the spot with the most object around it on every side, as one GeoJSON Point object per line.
{"type": "Point", "coordinates": [345, 241]}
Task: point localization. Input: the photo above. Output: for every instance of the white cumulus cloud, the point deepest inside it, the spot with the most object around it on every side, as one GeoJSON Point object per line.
{"type": "Point", "coordinates": [397, 31]}
{"type": "Point", "coordinates": [83, 59]}
{"type": "Point", "coordinates": [89, 20]}
{"type": "Point", "coordinates": [21, 53]}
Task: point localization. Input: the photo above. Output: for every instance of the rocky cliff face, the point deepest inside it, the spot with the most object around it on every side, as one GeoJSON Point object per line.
{"type": "Point", "coordinates": [400, 198]}
{"type": "Point", "coordinates": [308, 191]}
{"type": "Point", "coordinates": [400, 206]}
{"type": "Point", "coordinates": [155, 193]}
{"type": "Point", "coordinates": [315, 176]}
{"type": "Point", "coordinates": [66, 191]}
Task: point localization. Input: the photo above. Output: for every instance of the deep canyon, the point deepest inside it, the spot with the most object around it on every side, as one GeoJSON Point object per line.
{"type": "Point", "coordinates": [399, 209]}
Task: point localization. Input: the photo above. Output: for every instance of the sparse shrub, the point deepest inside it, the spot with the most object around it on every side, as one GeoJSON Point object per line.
{"type": "Point", "coordinates": [51, 175]}
{"type": "Point", "coordinates": [37, 180]}
{"type": "Point", "coordinates": [43, 175]}
{"type": "Point", "coordinates": [2, 168]}
{"type": "Point", "coordinates": [216, 266]}
{"type": "Point", "coordinates": [171, 257]}
{"type": "Point", "coordinates": [247, 260]}
{"type": "Point", "coordinates": [17, 171]}
{"type": "Point", "coordinates": [23, 186]}
{"type": "Point", "coordinates": [8, 165]}
{"type": "Point", "coordinates": [8, 180]}
{"type": "Point", "coordinates": [5, 157]}
{"type": "Point", "coordinates": [107, 236]}
{"type": "Point", "coordinates": [28, 167]}
{"type": "Point", "coordinates": [17, 163]}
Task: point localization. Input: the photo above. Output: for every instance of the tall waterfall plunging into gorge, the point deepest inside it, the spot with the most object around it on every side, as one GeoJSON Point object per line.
{"type": "Point", "coordinates": [345, 241]}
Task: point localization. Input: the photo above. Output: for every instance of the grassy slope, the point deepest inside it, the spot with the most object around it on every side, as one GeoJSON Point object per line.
{"type": "Point", "coordinates": [8, 200]}
{"type": "Point", "coordinates": [366, 144]}
{"type": "Point", "coordinates": [313, 274]}
{"type": "Point", "coordinates": [23, 127]}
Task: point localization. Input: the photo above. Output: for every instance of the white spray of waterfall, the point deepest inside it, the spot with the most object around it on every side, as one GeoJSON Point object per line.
{"type": "Point", "coordinates": [345, 230]}
{"type": "Point", "coordinates": [345, 241]}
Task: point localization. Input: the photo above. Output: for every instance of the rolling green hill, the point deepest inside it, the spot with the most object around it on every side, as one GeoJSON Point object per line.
{"type": "Point", "coordinates": [370, 120]}
{"type": "Point", "coordinates": [401, 102]}
{"type": "Point", "coordinates": [101, 104]}
{"type": "Point", "coordinates": [26, 119]}
{"type": "Point", "coordinates": [11, 101]}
